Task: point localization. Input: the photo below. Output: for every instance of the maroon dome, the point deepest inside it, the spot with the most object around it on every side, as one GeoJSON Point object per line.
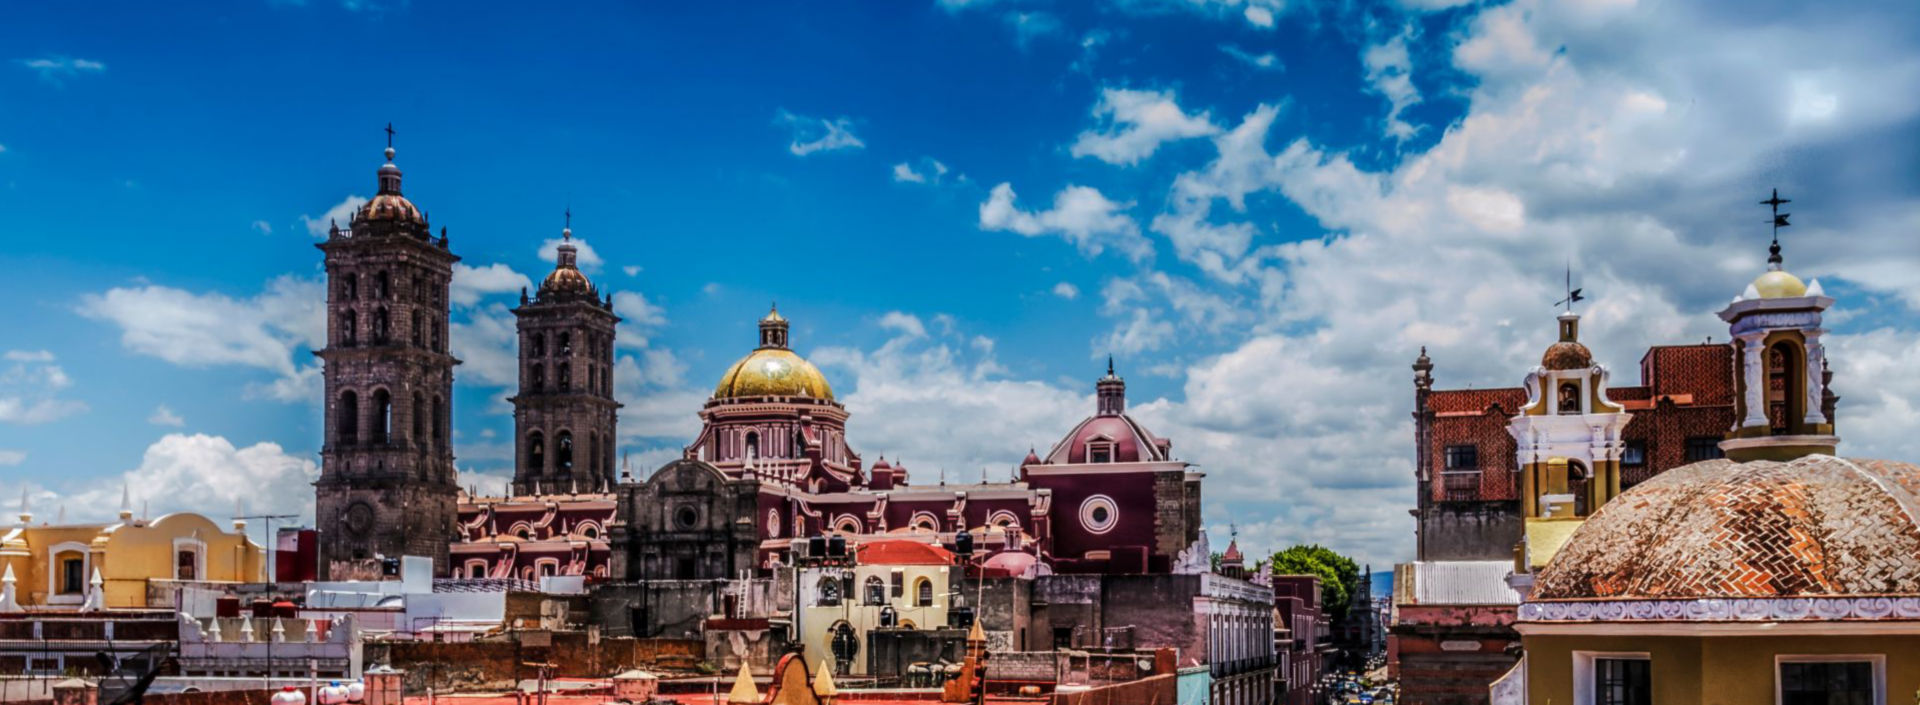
{"type": "Point", "coordinates": [1131, 442]}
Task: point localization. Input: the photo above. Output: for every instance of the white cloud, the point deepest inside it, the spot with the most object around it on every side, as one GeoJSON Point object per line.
{"type": "Point", "coordinates": [639, 318]}
{"type": "Point", "coordinates": [585, 257]}
{"type": "Point", "coordinates": [193, 473]}
{"type": "Point", "coordinates": [904, 324]}
{"type": "Point", "coordinates": [1259, 16]}
{"type": "Point", "coordinates": [1136, 123]}
{"type": "Point", "coordinates": [632, 270]}
{"type": "Point", "coordinates": [262, 227]}
{"type": "Point", "coordinates": [488, 345]}
{"type": "Point", "coordinates": [10, 458]}
{"type": "Point", "coordinates": [1030, 25]}
{"type": "Point", "coordinates": [1265, 61]}
{"type": "Point", "coordinates": [30, 389]}
{"type": "Point", "coordinates": [272, 330]}
{"type": "Point", "coordinates": [812, 135]}
{"type": "Point", "coordinates": [1390, 74]}
{"type": "Point", "coordinates": [163, 416]}
{"type": "Point", "coordinates": [470, 284]}
{"type": "Point", "coordinates": [55, 69]}
{"type": "Point", "coordinates": [930, 171]}
{"type": "Point", "coordinates": [339, 214]}
{"type": "Point", "coordinates": [1080, 215]}
{"type": "Point", "coordinates": [1066, 290]}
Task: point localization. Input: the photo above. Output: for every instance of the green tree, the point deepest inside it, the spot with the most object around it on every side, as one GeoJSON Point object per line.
{"type": "Point", "coordinates": [1336, 572]}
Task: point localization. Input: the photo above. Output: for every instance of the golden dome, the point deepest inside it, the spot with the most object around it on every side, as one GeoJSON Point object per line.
{"type": "Point", "coordinates": [566, 279]}
{"type": "Point", "coordinates": [773, 372]}
{"type": "Point", "coordinates": [391, 206]}
{"type": "Point", "coordinates": [1778, 284]}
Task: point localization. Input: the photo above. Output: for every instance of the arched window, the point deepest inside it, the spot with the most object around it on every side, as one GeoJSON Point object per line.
{"type": "Point", "coordinates": [381, 288]}
{"type": "Point", "coordinates": [380, 327]}
{"type": "Point", "coordinates": [753, 445]}
{"type": "Point", "coordinates": [536, 453]}
{"type": "Point", "coordinates": [566, 376]}
{"type": "Point", "coordinates": [1569, 398]}
{"type": "Point", "coordinates": [350, 327]}
{"type": "Point", "coordinates": [829, 588]}
{"type": "Point", "coordinates": [419, 328]}
{"type": "Point", "coordinates": [434, 344]}
{"type": "Point", "coordinates": [923, 593]}
{"type": "Point", "coordinates": [563, 451]}
{"type": "Point", "coordinates": [566, 343]}
{"type": "Point", "coordinates": [1786, 391]}
{"type": "Point", "coordinates": [349, 287]}
{"type": "Point", "coordinates": [539, 345]}
{"type": "Point", "coordinates": [347, 423]}
{"type": "Point", "coordinates": [382, 416]}
{"type": "Point", "coordinates": [606, 382]}
{"type": "Point", "coordinates": [593, 378]}
{"type": "Point", "coordinates": [419, 418]}
{"type": "Point", "coordinates": [439, 423]}
{"type": "Point", "coordinates": [539, 376]}
{"type": "Point", "coordinates": [876, 590]}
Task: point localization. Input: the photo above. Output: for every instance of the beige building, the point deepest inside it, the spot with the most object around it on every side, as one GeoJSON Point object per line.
{"type": "Point", "coordinates": [903, 581]}
{"type": "Point", "coordinates": [48, 565]}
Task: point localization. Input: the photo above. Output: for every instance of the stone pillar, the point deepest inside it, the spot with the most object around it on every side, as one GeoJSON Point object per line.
{"type": "Point", "coordinates": [1816, 380]}
{"type": "Point", "coordinates": [1753, 358]}
{"type": "Point", "coordinates": [1530, 490]}
{"type": "Point", "coordinates": [383, 686]}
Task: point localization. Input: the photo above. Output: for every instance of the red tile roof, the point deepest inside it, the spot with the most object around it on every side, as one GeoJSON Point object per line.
{"type": "Point", "coordinates": [902, 552]}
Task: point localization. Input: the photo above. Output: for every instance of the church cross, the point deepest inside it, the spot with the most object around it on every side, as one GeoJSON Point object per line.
{"type": "Point", "coordinates": [389, 134]}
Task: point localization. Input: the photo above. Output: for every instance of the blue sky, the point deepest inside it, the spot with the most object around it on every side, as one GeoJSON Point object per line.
{"type": "Point", "coordinates": [1261, 209]}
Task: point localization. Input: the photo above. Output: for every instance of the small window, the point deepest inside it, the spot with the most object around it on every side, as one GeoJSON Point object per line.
{"type": "Point", "coordinates": [829, 592]}
{"type": "Point", "coordinates": [73, 576]}
{"type": "Point", "coordinates": [1569, 399]}
{"type": "Point", "coordinates": [1634, 454]}
{"type": "Point", "coordinates": [1462, 486]}
{"type": "Point", "coordinates": [184, 564]}
{"type": "Point", "coordinates": [1837, 682]}
{"type": "Point", "coordinates": [1703, 448]}
{"type": "Point", "coordinates": [876, 590]}
{"type": "Point", "coordinates": [1100, 452]}
{"type": "Point", "coordinates": [923, 593]}
{"type": "Point", "coordinates": [1622, 681]}
{"type": "Point", "coordinates": [1463, 457]}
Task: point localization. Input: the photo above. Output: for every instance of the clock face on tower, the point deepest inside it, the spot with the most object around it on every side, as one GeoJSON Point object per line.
{"type": "Point", "coordinates": [359, 519]}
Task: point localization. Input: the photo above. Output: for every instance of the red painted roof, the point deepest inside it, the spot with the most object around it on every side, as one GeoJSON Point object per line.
{"type": "Point", "coordinates": [902, 552]}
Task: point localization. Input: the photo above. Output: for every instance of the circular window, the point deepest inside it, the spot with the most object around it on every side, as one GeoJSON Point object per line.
{"type": "Point", "coordinates": [359, 518]}
{"type": "Point", "coordinates": [773, 523]}
{"type": "Point", "coordinates": [686, 517]}
{"type": "Point", "coordinates": [1098, 514]}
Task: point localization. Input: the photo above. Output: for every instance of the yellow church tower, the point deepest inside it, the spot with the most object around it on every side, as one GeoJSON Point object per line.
{"type": "Point", "coordinates": [1781, 389]}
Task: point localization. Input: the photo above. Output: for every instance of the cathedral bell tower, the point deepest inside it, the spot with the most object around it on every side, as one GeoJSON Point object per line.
{"type": "Point", "coordinates": [1783, 408]}
{"type": "Point", "coordinates": [564, 414]}
{"type": "Point", "coordinates": [386, 486]}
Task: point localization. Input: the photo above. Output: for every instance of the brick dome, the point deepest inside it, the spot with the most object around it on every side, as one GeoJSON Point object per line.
{"type": "Point", "coordinates": [1567, 355]}
{"type": "Point", "coordinates": [1816, 526]}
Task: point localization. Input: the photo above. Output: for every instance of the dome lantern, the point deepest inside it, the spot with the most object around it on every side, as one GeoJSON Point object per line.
{"type": "Point", "coordinates": [1782, 401]}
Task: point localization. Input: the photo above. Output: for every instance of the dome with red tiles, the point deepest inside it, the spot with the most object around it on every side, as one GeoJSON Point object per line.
{"type": "Point", "coordinates": [1815, 526]}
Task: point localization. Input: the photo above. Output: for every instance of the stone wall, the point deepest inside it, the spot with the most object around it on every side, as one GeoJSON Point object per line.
{"type": "Point", "coordinates": [1476, 531]}
{"type": "Point", "coordinates": [500, 664]}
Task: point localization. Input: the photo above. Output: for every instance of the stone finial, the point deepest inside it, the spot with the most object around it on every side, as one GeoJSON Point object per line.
{"type": "Point", "coordinates": [8, 602]}
{"type": "Point", "coordinates": [744, 691]}
{"type": "Point", "coordinates": [279, 634]}
{"type": "Point", "coordinates": [96, 593]}
{"type": "Point", "coordinates": [823, 683]}
{"type": "Point", "coordinates": [246, 629]}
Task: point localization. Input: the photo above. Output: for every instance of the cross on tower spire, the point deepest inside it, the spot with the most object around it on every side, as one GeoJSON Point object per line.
{"type": "Point", "coordinates": [389, 135]}
{"type": "Point", "coordinates": [1779, 221]}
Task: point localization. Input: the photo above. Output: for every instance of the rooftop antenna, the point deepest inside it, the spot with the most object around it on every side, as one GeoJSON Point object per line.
{"type": "Point", "coordinates": [1573, 295]}
{"type": "Point", "coordinates": [1779, 221]}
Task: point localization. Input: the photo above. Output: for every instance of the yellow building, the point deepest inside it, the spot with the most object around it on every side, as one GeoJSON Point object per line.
{"type": "Point", "coordinates": [1778, 574]}
{"type": "Point", "coordinates": [57, 565]}
{"type": "Point", "coordinates": [901, 579]}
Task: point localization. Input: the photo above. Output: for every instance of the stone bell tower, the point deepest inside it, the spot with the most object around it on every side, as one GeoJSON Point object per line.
{"type": "Point", "coordinates": [1782, 402]}
{"type": "Point", "coordinates": [564, 415]}
{"type": "Point", "coordinates": [386, 486]}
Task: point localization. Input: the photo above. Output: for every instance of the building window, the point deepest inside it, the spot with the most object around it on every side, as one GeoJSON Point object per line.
{"type": "Point", "coordinates": [537, 453]}
{"type": "Point", "coordinates": [73, 575]}
{"type": "Point", "coordinates": [1634, 454]}
{"type": "Point", "coordinates": [1463, 457]}
{"type": "Point", "coordinates": [829, 592]}
{"type": "Point", "coordinates": [1831, 680]}
{"type": "Point", "coordinates": [185, 564]}
{"type": "Point", "coordinates": [1098, 514]}
{"type": "Point", "coordinates": [1703, 448]}
{"type": "Point", "coordinates": [686, 517]}
{"type": "Point", "coordinates": [563, 452]}
{"type": "Point", "coordinates": [1622, 681]}
{"type": "Point", "coordinates": [1462, 486]}
{"type": "Point", "coordinates": [349, 328]}
{"type": "Point", "coordinates": [1569, 398]}
{"type": "Point", "coordinates": [876, 590]}
{"type": "Point", "coordinates": [382, 416]}
{"type": "Point", "coordinates": [1100, 452]}
{"type": "Point", "coordinates": [923, 593]}
{"type": "Point", "coordinates": [348, 423]}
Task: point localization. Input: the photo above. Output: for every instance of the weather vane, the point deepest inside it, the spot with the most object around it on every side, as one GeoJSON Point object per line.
{"type": "Point", "coordinates": [1779, 221]}
{"type": "Point", "coordinates": [1573, 295]}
